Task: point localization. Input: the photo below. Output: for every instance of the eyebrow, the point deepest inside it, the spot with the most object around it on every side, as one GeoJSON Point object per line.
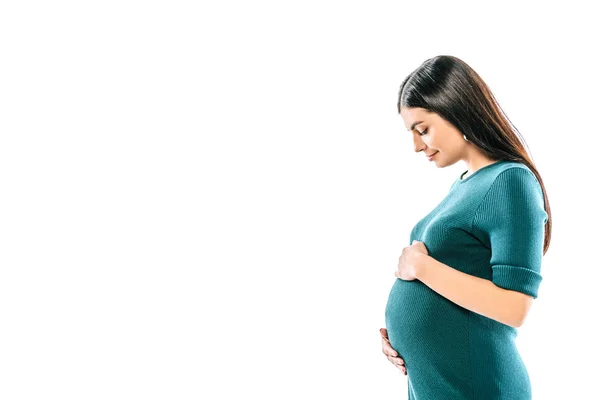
{"type": "Point", "coordinates": [414, 124]}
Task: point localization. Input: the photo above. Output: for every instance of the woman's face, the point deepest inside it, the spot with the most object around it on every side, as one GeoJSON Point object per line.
{"type": "Point", "coordinates": [431, 133]}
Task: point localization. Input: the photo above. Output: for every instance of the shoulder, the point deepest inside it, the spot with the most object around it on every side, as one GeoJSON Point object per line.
{"type": "Point", "coordinates": [514, 192]}
{"type": "Point", "coordinates": [514, 178]}
{"type": "Point", "coordinates": [513, 168]}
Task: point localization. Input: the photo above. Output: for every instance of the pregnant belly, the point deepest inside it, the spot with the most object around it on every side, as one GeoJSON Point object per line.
{"type": "Point", "coordinates": [420, 321]}
{"type": "Point", "coordinates": [431, 334]}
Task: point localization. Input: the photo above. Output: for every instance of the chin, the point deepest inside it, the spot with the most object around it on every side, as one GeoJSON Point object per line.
{"type": "Point", "coordinates": [443, 163]}
{"type": "Point", "coordinates": [448, 163]}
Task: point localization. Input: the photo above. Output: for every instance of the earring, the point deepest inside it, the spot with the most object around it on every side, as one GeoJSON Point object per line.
{"type": "Point", "coordinates": [465, 136]}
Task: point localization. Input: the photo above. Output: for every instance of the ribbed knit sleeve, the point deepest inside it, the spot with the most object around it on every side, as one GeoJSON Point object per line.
{"type": "Point", "coordinates": [510, 220]}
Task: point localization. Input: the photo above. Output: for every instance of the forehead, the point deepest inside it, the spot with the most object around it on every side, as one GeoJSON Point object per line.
{"type": "Point", "coordinates": [411, 115]}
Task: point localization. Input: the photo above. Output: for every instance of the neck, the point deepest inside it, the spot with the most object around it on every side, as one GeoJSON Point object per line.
{"type": "Point", "coordinates": [475, 161]}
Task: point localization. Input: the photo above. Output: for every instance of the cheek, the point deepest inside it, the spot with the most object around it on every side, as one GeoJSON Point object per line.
{"type": "Point", "coordinates": [440, 143]}
{"type": "Point", "coordinates": [432, 141]}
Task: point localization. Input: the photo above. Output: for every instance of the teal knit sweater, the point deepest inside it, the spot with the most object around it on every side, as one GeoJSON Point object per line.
{"type": "Point", "coordinates": [490, 225]}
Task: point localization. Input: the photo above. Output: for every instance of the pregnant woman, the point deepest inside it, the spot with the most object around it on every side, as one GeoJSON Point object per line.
{"type": "Point", "coordinates": [472, 268]}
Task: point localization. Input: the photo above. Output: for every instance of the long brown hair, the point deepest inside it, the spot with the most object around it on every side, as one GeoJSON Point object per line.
{"type": "Point", "coordinates": [449, 87]}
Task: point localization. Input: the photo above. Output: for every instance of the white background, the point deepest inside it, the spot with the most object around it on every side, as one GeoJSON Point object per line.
{"type": "Point", "coordinates": [208, 201]}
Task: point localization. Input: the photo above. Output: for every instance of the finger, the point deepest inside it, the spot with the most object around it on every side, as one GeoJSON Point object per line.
{"type": "Point", "coordinates": [398, 362]}
{"type": "Point", "coordinates": [383, 333]}
{"type": "Point", "coordinates": [388, 350]}
{"type": "Point", "coordinates": [395, 360]}
{"type": "Point", "coordinates": [388, 347]}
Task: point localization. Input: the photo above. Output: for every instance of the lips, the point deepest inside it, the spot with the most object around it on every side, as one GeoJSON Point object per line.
{"type": "Point", "coordinates": [432, 154]}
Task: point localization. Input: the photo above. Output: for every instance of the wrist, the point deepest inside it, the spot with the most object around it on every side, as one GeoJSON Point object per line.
{"type": "Point", "coordinates": [420, 265]}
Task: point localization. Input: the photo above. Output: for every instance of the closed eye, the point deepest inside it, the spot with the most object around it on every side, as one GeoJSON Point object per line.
{"type": "Point", "coordinates": [424, 132]}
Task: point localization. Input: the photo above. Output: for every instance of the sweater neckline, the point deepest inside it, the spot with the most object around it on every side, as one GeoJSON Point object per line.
{"type": "Point", "coordinates": [461, 180]}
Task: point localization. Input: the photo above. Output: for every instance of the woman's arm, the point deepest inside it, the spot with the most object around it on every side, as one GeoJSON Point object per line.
{"type": "Point", "coordinates": [475, 294]}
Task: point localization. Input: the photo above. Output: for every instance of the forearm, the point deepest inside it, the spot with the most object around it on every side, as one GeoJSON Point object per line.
{"type": "Point", "coordinates": [479, 295]}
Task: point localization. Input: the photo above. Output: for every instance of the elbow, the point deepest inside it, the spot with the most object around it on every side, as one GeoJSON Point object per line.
{"type": "Point", "coordinates": [523, 314]}
{"type": "Point", "coordinates": [523, 305]}
{"type": "Point", "coordinates": [518, 323]}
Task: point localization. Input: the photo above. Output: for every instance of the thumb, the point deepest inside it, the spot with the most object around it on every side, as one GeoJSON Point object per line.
{"type": "Point", "coordinates": [413, 242]}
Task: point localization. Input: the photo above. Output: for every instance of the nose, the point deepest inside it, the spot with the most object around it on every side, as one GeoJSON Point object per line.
{"type": "Point", "coordinates": [419, 145]}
